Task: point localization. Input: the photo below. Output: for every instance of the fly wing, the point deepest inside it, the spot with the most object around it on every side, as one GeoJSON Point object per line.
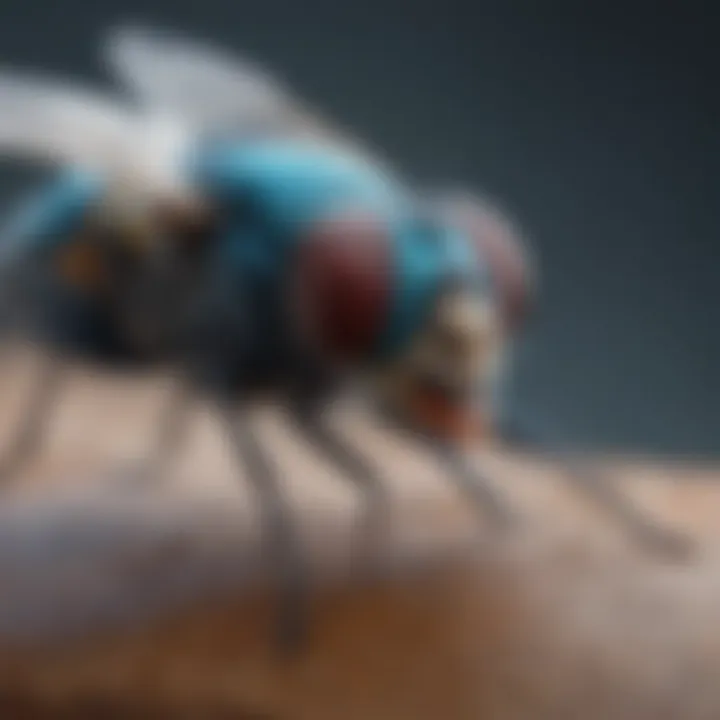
{"type": "Point", "coordinates": [52, 120]}
{"type": "Point", "coordinates": [214, 90]}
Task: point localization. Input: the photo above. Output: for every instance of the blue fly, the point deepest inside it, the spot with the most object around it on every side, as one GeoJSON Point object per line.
{"type": "Point", "coordinates": [236, 236]}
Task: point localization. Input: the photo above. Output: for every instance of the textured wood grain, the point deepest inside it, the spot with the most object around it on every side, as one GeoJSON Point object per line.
{"type": "Point", "coordinates": [125, 601]}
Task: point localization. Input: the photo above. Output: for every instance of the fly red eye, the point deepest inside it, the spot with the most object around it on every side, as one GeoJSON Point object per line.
{"type": "Point", "coordinates": [342, 284]}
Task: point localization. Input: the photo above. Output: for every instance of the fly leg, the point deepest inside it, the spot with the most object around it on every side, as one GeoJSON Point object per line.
{"type": "Point", "coordinates": [645, 530]}
{"type": "Point", "coordinates": [474, 483]}
{"type": "Point", "coordinates": [280, 536]}
{"type": "Point", "coordinates": [307, 418]}
{"type": "Point", "coordinates": [172, 426]}
{"type": "Point", "coordinates": [34, 421]}
{"type": "Point", "coordinates": [471, 481]}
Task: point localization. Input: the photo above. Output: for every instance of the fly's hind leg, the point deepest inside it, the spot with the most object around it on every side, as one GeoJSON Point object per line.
{"type": "Point", "coordinates": [33, 425]}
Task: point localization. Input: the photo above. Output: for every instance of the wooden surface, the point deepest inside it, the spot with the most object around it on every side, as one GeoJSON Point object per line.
{"type": "Point", "coordinates": [128, 601]}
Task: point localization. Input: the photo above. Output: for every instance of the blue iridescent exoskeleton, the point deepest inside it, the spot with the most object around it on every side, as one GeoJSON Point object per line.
{"type": "Point", "coordinates": [33, 241]}
{"type": "Point", "coordinates": [269, 195]}
{"type": "Point", "coordinates": [272, 194]}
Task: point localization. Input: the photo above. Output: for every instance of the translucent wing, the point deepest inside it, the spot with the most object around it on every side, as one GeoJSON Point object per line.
{"type": "Point", "coordinates": [211, 88]}
{"type": "Point", "coordinates": [53, 120]}
{"type": "Point", "coordinates": [50, 119]}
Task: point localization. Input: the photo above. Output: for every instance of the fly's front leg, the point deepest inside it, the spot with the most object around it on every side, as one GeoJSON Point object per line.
{"type": "Point", "coordinates": [644, 529]}
{"type": "Point", "coordinates": [456, 463]}
{"type": "Point", "coordinates": [33, 425]}
{"type": "Point", "coordinates": [602, 491]}
{"type": "Point", "coordinates": [474, 483]}
{"type": "Point", "coordinates": [280, 534]}
{"type": "Point", "coordinates": [173, 422]}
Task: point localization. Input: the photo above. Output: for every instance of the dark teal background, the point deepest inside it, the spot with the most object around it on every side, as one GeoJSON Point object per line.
{"type": "Point", "coordinates": [598, 123]}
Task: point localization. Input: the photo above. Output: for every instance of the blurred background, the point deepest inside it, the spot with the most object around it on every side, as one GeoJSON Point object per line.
{"type": "Point", "coordinates": [596, 123]}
